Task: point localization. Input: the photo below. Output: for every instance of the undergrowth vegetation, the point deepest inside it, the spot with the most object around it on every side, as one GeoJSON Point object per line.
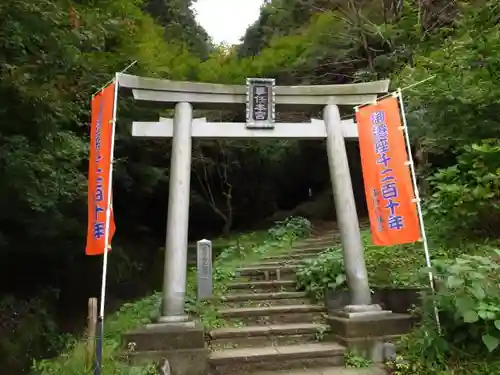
{"type": "Point", "coordinates": [463, 213]}
{"type": "Point", "coordinates": [246, 248]}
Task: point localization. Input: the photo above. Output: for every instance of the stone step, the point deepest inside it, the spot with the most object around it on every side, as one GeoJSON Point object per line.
{"type": "Point", "coordinates": [265, 299]}
{"type": "Point", "coordinates": [269, 330]}
{"type": "Point", "coordinates": [271, 286]}
{"type": "Point", "coordinates": [273, 334]}
{"type": "Point", "coordinates": [261, 341]}
{"type": "Point", "coordinates": [246, 360]}
{"type": "Point", "coordinates": [267, 302]}
{"type": "Point", "coordinates": [257, 270]}
{"type": "Point", "coordinates": [317, 243]}
{"type": "Point", "coordinates": [324, 235]}
{"type": "Point", "coordinates": [263, 296]}
{"type": "Point", "coordinates": [274, 314]}
{"type": "Point", "coordinates": [334, 370]}
{"type": "Point", "coordinates": [284, 263]}
{"type": "Point", "coordinates": [290, 256]}
{"type": "Point", "coordinates": [308, 250]}
{"type": "Point", "coordinates": [286, 272]}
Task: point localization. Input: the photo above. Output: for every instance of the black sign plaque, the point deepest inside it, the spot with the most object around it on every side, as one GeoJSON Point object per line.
{"type": "Point", "coordinates": [260, 103]}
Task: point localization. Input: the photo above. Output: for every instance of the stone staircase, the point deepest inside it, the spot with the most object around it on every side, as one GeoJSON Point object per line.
{"type": "Point", "coordinates": [274, 327]}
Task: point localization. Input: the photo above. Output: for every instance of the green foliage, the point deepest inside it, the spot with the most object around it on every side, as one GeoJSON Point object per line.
{"type": "Point", "coordinates": [327, 270]}
{"type": "Point", "coordinates": [27, 330]}
{"type": "Point", "coordinates": [457, 107]}
{"type": "Point", "coordinates": [353, 360]}
{"type": "Point", "coordinates": [291, 228]}
{"type": "Point", "coordinates": [466, 195]}
{"type": "Point", "coordinates": [128, 317]}
{"type": "Point", "coordinates": [469, 301]}
{"type": "Point", "coordinates": [178, 19]}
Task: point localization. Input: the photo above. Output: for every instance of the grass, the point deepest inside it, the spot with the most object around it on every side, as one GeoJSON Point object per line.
{"type": "Point", "coordinates": [238, 249]}
{"type": "Point", "coordinates": [221, 243]}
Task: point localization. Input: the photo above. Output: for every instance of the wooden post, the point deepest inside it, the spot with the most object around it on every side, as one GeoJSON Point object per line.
{"type": "Point", "coordinates": [91, 330]}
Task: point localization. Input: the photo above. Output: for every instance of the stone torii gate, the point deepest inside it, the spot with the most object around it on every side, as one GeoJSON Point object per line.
{"type": "Point", "coordinates": [261, 99]}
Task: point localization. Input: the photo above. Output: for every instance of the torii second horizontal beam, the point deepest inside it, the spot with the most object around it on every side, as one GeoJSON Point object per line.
{"type": "Point", "coordinates": [238, 130]}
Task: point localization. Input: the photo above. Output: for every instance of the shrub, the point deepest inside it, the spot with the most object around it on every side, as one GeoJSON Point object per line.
{"type": "Point", "coordinates": [292, 227]}
{"type": "Point", "coordinates": [27, 330]}
{"type": "Point", "coordinates": [469, 302]}
{"type": "Point", "coordinates": [325, 271]}
{"type": "Point", "coordinates": [466, 198]}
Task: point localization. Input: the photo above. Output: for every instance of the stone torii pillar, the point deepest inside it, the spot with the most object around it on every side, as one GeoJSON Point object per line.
{"type": "Point", "coordinates": [260, 98]}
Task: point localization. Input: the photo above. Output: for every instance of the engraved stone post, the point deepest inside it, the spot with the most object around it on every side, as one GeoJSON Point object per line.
{"type": "Point", "coordinates": [174, 283]}
{"type": "Point", "coordinates": [204, 268]}
{"type": "Point", "coordinates": [347, 217]}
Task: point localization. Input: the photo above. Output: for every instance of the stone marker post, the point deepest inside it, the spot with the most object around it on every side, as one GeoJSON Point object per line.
{"type": "Point", "coordinates": [204, 269]}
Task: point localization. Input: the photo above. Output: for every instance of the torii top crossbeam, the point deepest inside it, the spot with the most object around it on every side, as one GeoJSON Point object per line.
{"type": "Point", "coordinates": [218, 96]}
{"type": "Point", "coordinates": [236, 97]}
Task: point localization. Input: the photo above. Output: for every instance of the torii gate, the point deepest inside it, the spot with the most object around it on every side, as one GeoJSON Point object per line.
{"type": "Point", "coordinates": [261, 98]}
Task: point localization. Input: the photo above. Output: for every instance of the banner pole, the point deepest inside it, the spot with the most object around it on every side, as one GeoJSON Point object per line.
{"type": "Point", "coordinates": [399, 95]}
{"type": "Point", "coordinates": [99, 346]}
{"type": "Point", "coordinates": [123, 71]}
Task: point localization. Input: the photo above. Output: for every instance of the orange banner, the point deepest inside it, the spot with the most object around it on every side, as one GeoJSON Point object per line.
{"type": "Point", "coordinates": [101, 133]}
{"type": "Point", "coordinates": [388, 185]}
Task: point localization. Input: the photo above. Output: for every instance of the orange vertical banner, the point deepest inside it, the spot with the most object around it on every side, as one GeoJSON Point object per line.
{"type": "Point", "coordinates": [99, 184]}
{"type": "Point", "coordinates": [388, 185]}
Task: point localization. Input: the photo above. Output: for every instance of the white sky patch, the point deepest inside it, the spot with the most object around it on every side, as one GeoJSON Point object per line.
{"type": "Point", "coordinates": [227, 20]}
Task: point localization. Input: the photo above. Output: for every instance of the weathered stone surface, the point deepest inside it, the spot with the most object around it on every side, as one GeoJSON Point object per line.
{"type": "Point", "coordinates": [261, 341]}
{"type": "Point", "coordinates": [274, 314]}
{"type": "Point", "coordinates": [290, 256]}
{"type": "Point", "coordinates": [269, 310]}
{"type": "Point", "coordinates": [368, 334]}
{"type": "Point", "coordinates": [328, 371]}
{"type": "Point", "coordinates": [275, 329]}
{"type": "Point", "coordinates": [263, 286]}
{"type": "Point", "coordinates": [282, 262]}
{"type": "Point", "coordinates": [396, 300]}
{"type": "Point", "coordinates": [263, 296]}
{"type": "Point", "coordinates": [182, 346]}
{"type": "Point", "coordinates": [311, 249]}
{"type": "Point", "coordinates": [268, 272]}
{"type": "Point", "coordinates": [275, 352]}
{"type": "Point", "coordinates": [266, 335]}
{"type": "Point", "coordinates": [265, 299]}
{"type": "Point", "coordinates": [165, 337]}
{"type": "Point", "coordinates": [181, 362]}
{"type": "Point", "coordinates": [370, 326]}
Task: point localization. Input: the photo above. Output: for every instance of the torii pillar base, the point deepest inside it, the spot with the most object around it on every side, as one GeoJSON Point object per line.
{"type": "Point", "coordinates": [369, 332]}
{"type": "Point", "coordinates": [180, 347]}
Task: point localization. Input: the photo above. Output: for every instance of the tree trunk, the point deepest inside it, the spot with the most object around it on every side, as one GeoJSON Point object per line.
{"type": "Point", "coordinates": [226, 230]}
